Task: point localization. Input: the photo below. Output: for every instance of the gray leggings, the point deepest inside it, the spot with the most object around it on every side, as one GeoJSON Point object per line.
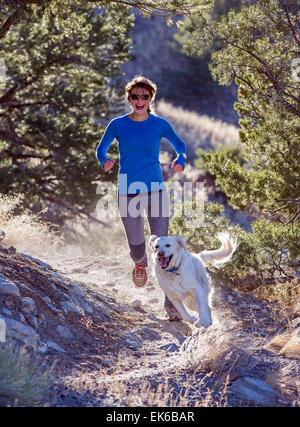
{"type": "Point", "coordinates": [131, 209]}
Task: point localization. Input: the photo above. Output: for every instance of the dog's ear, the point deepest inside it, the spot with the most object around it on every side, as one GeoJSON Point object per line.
{"type": "Point", "coordinates": [181, 242]}
{"type": "Point", "coordinates": [152, 239]}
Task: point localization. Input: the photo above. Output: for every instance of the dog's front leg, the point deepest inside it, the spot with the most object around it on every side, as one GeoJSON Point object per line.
{"type": "Point", "coordinates": [203, 308]}
{"type": "Point", "coordinates": [182, 310]}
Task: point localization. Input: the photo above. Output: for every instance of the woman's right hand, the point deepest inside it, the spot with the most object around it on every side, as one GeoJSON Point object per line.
{"type": "Point", "coordinates": [108, 164]}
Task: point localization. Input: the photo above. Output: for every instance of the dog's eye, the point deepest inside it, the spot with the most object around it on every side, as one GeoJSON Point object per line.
{"type": "Point", "coordinates": [157, 246]}
{"type": "Point", "coordinates": [168, 245]}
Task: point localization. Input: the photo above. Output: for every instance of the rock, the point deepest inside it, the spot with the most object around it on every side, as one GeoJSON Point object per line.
{"type": "Point", "coordinates": [42, 347]}
{"type": "Point", "coordinates": [8, 288]}
{"type": "Point", "coordinates": [20, 331]}
{"type": "Point", "coordinates": [41, 263]}
{"type": "Point", "coordinates": [254, 390]}
{"type": "Point", "coordinates": [105, 362]}
{"type": "Point", "coordinates": [132, 341]}
{"type": "Point", "coordinates": [295, 323]}
{"type": "Point", "coordinates": [150, 334]}
{"type": "Point", "coordinates": [6, 312]}
{"type": "Point", "coordinates": [28, 306]}
{"type": "Point", "coordinates": [55, 310]}
{"type": "Point", "coordinates": [64, 332]}
{"type": "Point", "coordinates": [53, 346]}
{"type": "Point", "coordinates": [32, 320]}
{"type": "Point", "coordinates": [137, 303]}
{"type": "Point", "coordinates": [22, 317]}
{"type": "Point", "coordinates": [172, 347]}
{"type": "Point", "coordinates": [69, 306]}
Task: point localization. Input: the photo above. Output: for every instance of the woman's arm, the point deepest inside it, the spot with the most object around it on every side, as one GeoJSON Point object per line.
{"type": "Point", "coordinates": [104, 144]}
{"type": "Point", "coordinates": [177, 144]}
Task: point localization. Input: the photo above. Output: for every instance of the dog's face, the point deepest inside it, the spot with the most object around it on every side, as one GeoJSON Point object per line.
{"type": "Point", "coordinates": [167, 250]}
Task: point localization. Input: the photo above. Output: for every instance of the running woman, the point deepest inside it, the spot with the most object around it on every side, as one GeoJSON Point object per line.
{"type": "Point", "coordinates": [140, 181]}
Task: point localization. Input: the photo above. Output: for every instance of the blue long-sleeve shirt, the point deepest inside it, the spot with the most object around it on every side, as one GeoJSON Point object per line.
{"type": "Point", "coordinates": [139, 146]}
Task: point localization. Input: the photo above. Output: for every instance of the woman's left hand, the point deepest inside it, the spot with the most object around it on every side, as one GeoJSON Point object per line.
{"type": "Point", "coordinates": [177, 167]}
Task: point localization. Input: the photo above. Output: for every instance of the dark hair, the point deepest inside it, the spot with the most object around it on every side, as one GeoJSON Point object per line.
{"type": "Point", "coordinates": [143, 82]}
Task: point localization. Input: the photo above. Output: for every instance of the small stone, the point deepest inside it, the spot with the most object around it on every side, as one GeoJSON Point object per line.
{"type": "Point", "coordinates": [28, 306]}
{"type": "Point", "coordinates": [22, 332]}
{"type": "Point", "coordinates": [231, 299]}
{"type": "Point", "coordinates": [295, 323]}
{"type": "Point", "coordinates": [32, 320]}
{"type": "Point", "coordinates": [254, 306]}
{"type": "Point", "coordinates": [6, 312]}
{"type": "Point", "coordinates": [42, 347]}
{"type": "Point", "coordinates": [245, 324]}
{"type": "Point", "coordinates": [137, 303]}
{"type": "Point", "coordinates": [22, 317]}
{"type": "Point", "coordinates": [8, 288]}
{"type": "Point", "coordinates": [105, 363]}
{"type": "Point", "coordinates": [69, 306]}
{"type": "Point", "coordinates": [53, 346]}
{"type": "Point", "coordinates": [254, 390]}
{"type": "Point", "coordinates": [64, 332]}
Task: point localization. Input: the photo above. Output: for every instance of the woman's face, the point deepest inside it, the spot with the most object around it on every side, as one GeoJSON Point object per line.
{"type": "Point", "coordinates": [139, 99]}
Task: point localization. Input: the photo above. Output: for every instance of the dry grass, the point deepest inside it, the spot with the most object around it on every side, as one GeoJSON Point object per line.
{"type": "Point", "coordinates": [23, 230]}
{"type": "Point", "coordinates": [23, 381]}
{"type": "Point", "coordinates": [198, 130]}
{"type": "Point", "coordinates": [146, 388]}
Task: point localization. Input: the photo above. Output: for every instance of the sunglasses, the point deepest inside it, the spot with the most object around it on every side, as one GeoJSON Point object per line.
{"type": "Point", "coordinates": [135, 97]}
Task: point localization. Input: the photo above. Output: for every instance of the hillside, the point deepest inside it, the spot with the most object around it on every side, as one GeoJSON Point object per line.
{"type": "Point", "coordinates": [108, 343]}
{"type": "Point", "coordinates": [182, 81]}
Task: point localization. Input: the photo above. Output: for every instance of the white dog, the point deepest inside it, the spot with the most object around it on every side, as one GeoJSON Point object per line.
{"type": "Point", "coordinates": [183, 277]}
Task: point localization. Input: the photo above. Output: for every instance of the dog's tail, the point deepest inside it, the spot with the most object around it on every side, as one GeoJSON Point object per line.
{"type": "Point", "coordinates": [223, 254]}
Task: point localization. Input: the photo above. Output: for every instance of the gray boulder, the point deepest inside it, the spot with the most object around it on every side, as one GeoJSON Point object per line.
{"type": "Point", "coordinates": [8, 288]}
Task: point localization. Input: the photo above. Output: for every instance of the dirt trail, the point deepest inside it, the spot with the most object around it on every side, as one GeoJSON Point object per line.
{"type": "Point", "coordinates": [162, 362]}
{"type": "Point", "coordinates": [112, 344]}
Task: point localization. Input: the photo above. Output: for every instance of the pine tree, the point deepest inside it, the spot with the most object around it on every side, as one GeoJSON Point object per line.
{"type": "Point", "coordinates": [258, 48]}
{"type": "Point", "coordinates": [57, 93]}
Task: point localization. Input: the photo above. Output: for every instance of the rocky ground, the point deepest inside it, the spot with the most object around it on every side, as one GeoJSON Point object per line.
{"type": "Point", "coordinates": [109, 343]}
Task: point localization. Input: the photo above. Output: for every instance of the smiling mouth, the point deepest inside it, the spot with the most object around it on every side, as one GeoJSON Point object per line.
{"type": "Point", "coordinates": [140, 107]}
{"type": "Point", "coordinates": [164, 261]}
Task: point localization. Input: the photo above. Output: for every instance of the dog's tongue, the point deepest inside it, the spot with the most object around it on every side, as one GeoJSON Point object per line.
{"type": "Point", "coordinates": [164, 262]}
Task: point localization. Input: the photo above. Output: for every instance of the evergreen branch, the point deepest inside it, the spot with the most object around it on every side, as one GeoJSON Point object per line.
{"type": "Point", "coordinates": [285, 7]}
{"type": "Point", "coordinates": [13, 138]}
{"type": "Point", "coordinates": [8, 96]}
{"type": "Point", "coordinates": [9, 22]}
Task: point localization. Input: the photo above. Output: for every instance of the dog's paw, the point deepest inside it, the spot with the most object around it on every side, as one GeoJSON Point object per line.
{"type": "Point", "coordinates": [205, 323]}
{"type": "Point", "coordinates": [192, 320]}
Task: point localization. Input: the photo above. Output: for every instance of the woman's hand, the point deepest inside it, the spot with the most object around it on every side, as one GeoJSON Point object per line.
{"type": "Point", "coordinates": [177, 167]}
{"type": "Point", "coordinates": [108, 164]}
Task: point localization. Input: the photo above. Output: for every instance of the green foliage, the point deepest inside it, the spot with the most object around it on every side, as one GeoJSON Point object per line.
{"type": "Point", "coordinates": [231, 152]}
{"type": "Point", "coordinates": [267, 252]}
{"type": "Point", "coordinates": [256, 47]}
{"type": "Point", "coordinates": [203, 235]}
{"type": "Point", "coordinates": [57, 93]}
{"type": "Point", "coordinates": [23, 382]}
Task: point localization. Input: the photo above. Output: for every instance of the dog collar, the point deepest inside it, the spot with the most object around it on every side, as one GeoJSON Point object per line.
{"type": "Point", "coordinates": [172, 270]}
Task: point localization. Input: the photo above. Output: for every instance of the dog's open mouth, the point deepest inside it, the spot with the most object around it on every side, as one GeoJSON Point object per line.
{"type": "Point", "coordinates": [164, 261]}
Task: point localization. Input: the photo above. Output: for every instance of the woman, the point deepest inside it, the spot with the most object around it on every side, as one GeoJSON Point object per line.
{"type": "Point", "coordinates": [140, 182]}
